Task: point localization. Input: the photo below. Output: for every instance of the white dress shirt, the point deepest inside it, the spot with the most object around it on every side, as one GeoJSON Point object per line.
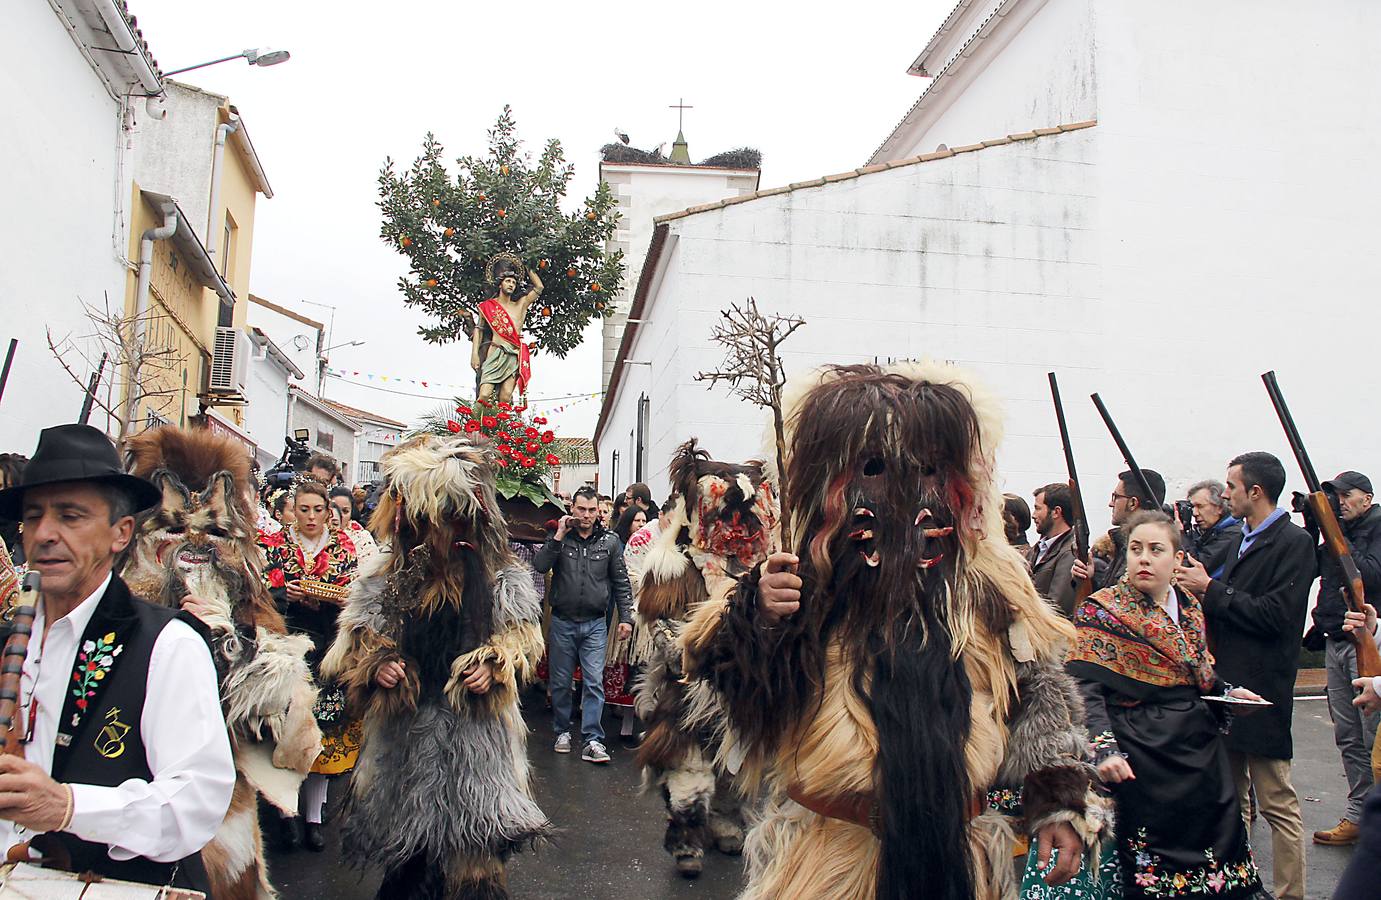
{"type": "Point", "coordinates": [182, 729]}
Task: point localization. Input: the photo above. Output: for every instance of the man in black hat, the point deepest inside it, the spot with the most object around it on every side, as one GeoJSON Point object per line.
{"type": "Point", "coordinates": [126, 769]}
{"type": "Point", "coordinates": [1353, 730]}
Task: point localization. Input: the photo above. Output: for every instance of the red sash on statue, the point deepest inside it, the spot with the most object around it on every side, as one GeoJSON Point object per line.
{"type": "Point", "coordinates": [502, 326]}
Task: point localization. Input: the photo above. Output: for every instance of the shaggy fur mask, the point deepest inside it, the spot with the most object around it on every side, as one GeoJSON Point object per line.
{"type": "Point", "coordinates": [440, 495]}
{"type": "Point", "coordinates": [892, 502]}
{"type": "Point", "coordinates": [200, 539]}
{"type": "Point", "coordinates": [726, 510]}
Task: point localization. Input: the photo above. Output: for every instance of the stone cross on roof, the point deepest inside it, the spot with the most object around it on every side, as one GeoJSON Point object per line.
{"type": "Point", "coordinates": [680, 151]}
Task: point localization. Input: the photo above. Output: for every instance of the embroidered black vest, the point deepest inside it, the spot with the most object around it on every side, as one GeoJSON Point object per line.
{"type": "Point", "coordinates": [99, 740]}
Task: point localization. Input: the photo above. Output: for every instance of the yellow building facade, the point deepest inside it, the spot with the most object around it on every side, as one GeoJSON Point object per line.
{"type": "Point", "coordinates": [191, 234]}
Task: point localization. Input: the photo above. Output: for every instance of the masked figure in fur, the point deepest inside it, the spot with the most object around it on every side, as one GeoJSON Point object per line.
{"type": "Point", "coordinates": [719, 530]}
{"type": "Point", "coordinates": [432, 647]}
{"type": "Point", "coordinates": [897, 665]}
{"type": "Point", "coordinates": [197, 551]}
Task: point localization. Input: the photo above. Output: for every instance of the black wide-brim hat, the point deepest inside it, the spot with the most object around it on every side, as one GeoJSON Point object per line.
{"type": "Point", "coordinates": [68, 453]}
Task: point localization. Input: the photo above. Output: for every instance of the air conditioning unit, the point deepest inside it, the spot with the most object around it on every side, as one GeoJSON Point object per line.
{"type": "Point", "coordinates": [230, 361]}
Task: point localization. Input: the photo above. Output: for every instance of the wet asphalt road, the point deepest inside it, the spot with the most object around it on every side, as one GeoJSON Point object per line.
{"type": "Point", "coordinates": [609, 840]}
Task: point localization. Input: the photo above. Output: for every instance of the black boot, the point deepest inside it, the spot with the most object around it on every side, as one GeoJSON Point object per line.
{"type": "Point", "coordinates": [289, 833]}
{"type": "Point", "coordinates": [314, 839]}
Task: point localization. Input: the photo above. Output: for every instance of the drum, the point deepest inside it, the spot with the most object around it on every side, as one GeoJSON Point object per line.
{"type": "Point", "coordinates": [23, 881]}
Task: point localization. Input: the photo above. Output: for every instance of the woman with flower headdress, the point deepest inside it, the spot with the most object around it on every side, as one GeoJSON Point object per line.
{"type": "Point", "coordinates": [308, 567]}
{"type": "Point", "coordinates": [1142, 663]}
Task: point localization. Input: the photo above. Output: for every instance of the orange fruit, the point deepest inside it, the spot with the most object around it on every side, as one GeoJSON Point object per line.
{"type": "Point", "coordinates": [503, 170]}
{"type": "Point", "coordinates": [405, 241]}
{"type": "Point", "coordinates": [502, 213]}
{"type": "Point", "coordinates": [546, 312]}
{"type": "Point", "coordinates": [449, 231]}
{"type": "Point", "coordinates": [570, 273]}
{"type": "Point", "coordinates": [436, 203]}
{"type": "Point", "coordinates": [590, 216]}
{"type": "Point", "coordinates": [595, 287]}
{"type": "Point", "coordinates": [480, 195]}
{"type": "Point", "coordinates": [431, 282]}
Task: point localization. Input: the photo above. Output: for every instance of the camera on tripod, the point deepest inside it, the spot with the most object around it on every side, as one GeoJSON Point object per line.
{"type": "Point", "coordinates": [293, 460]}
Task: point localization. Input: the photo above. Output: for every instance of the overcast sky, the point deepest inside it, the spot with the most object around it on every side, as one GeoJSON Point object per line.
{"type": "Point", "coordinates": [815, 90]}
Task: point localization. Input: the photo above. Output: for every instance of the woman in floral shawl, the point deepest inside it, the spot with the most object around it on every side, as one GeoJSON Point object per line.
{"type": "Point", "coordinates": [307, 567]}
{"type": "Point", "coordinates": [1144, 668]}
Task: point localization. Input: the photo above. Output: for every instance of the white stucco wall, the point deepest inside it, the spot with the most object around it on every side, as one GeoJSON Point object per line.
{"type": "Point", "coordinates": [645, 192]}
{"type": "Point", "coordinates": [282, 330]}
{"type": "Point", "coordinates": [186, 138]}
{"type": "Point", "coordinates": [59, 230]}
{"type": "Point", "coordinates": [1218, 217]}
{"type": "Point", "coordinates": [919, 261]}
{"type": "Point", "coordinates": [1033, 69]}
{"type": "Point", "coordinates": [266, 415]}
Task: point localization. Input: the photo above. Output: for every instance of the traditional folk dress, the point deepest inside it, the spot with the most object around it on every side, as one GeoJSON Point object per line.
{"type": "Point", "coordinates": [1142, 672]}
{"type": "Point", "coordinates": [334, 561]}
{"type": "Point", "coordinates": [507, 355]}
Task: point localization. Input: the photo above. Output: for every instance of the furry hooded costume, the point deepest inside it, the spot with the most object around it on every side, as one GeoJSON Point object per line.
{"type": "Point", "coordinates": [440, 796]}
{"type": "Point", "coordinates": [719, 530]}
{"type": "Point", "coordinates": [200, 541]}
{"type": "Point", "coordinates": [921, 672]}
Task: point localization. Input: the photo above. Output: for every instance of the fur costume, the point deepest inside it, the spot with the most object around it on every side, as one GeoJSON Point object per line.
{"type": "Point", "coordinates": [719, 530]}
{"type": "Point", "coordinates": [921, 672]}
{"type": "Point", "coordinates": [200, 541]}
{"type": "Point", "coordinates": [440, 795]}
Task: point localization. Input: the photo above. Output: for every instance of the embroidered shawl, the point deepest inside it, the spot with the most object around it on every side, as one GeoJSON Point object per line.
{"type": "Point", "coordinates": [284, 561]}
{"type": "Point", "coordinates": [1125, 639]}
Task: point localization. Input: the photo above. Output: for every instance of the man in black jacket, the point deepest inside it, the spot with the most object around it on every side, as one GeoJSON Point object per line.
{"type": "Point", "coordinates": [1254, 615]}
{"type": "Point", "coordinates": [588, 574]}
{"type": "Point", "coordinates": [1353, 730]}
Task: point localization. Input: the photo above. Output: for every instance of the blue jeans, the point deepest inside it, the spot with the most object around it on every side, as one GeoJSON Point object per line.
{"type": "Point", "coordinates": [587, 641]}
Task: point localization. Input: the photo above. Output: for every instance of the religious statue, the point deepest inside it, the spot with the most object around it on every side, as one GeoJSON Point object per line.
{"type": "Point", "coordinates": [499, 356]}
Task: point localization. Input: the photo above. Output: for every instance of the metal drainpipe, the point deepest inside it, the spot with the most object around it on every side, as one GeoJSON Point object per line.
{"type": "Point", "coordinates": [141, 291]}
{"type": "Point", "coordinates": [217, 160]}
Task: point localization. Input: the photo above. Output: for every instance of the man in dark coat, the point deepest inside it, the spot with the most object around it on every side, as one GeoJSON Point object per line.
{"type": "Point", "coordinates": [1053, 553]}
{"type": "Point", "coordinates": [1353, 729]}
{"type": "Point", "coordinates": [1254, 614]}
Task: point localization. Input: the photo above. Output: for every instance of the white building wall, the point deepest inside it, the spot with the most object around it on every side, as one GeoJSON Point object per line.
{"type": "Point", "coordinates": [60, 231]}
{"type": "Point", "coordinates": [266, 415]}
{"type": "Point", "coordinates": [945, 259]}
{"type": "Point", "coordinates": [1239, 186]}
{"type": "Point", "coordinates": [282, 330]}
{"type": "Point", "coordinates": [186, 140]}
{"type": "Point", "coordinates": [645, 192]}
{"type": "Point", "coordinates": [1218, 217]}
{"type": "Point", "coordinates": [1035, 69]}
{"type": "Point", "coordinates": [328, 435]}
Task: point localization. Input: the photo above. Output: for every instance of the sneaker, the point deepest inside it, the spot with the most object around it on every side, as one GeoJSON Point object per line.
{"type": "Point", "coordinates": [1343, 834]}
{"type": "Point", "coordinates": [563, 742]}
{"type": "Point", "coordinates": [595, 753]}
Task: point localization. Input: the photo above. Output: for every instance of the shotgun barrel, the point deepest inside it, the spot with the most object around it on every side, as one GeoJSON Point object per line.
{"type": "Point", "coordinates": [1080, 524]}
{"type": "Point", "coordinates": [1330, 529]}
{"type": "Point", "coordinates": [1143, 485]}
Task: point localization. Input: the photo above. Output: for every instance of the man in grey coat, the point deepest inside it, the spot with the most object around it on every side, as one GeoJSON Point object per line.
{"type": "Point", "coordinates": [588, 574]}
{"type": "Point", "coordinates": [1053, 554]}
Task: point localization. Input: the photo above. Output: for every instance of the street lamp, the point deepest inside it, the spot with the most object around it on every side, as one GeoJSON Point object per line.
{"type": "Point", "coordinates": [338, 346]}
{"type": "Point", "coordinates": [253, 57]}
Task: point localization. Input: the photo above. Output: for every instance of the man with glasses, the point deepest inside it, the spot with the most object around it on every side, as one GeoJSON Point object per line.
{"type": "Point", "coordinates": [1127, 499]}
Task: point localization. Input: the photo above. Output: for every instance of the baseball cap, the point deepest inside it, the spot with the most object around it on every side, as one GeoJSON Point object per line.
{"type": "Point", "coordinates": [1348, 480]}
